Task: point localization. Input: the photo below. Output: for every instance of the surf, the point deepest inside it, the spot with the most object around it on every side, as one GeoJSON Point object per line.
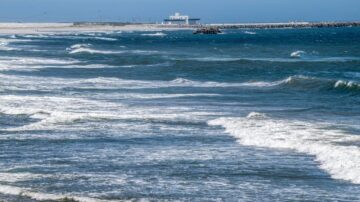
{"type": "Point", "coordinates": [335, 150]}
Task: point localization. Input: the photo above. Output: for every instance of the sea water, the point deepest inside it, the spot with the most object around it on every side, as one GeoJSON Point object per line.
{"type": "Point", "coordinates": [247, 115]}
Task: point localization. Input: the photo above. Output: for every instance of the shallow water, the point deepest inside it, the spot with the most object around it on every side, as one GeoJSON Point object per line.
{"type": "Point", "coordinates": [249, 115]}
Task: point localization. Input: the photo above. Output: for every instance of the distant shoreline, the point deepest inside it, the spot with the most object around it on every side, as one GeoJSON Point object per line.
{"type": "Point", "coordinates": [288, 25]}
{"type": "Point", "coordinates": [38, 28]}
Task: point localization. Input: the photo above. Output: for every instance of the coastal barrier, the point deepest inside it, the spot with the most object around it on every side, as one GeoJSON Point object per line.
{"type": "Point", "coordinates": [270, 25]}
{"type": "Point", "coordinates": [288, 25]}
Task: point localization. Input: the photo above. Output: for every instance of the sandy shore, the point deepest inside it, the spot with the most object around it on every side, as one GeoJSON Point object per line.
{"type": "Point", "coordinates": [48, 28]}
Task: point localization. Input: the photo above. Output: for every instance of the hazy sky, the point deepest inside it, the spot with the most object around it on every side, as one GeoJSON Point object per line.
{"type": "Point", "coordinates": [156, 10]}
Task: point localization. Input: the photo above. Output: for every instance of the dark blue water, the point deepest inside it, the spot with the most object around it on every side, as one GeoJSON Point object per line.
{"type": "Point", "coordinates": [248, 115]}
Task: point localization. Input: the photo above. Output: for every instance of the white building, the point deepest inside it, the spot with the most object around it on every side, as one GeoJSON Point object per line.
{"type": "Point", "coordinates": [178, 19]}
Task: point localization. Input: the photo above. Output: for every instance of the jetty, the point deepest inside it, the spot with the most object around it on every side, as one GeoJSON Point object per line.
{"type": "Point", "coordinates": [287, 25]}
{"type": "Point", "coordinates": [267, 25]}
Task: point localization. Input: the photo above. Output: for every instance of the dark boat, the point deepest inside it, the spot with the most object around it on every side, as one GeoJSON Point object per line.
{"type": "Point", "coordinates": [208, 30]}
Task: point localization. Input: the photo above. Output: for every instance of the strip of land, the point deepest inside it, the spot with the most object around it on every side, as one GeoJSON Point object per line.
{"type": "Point", "coordinates": [38, 28]}
{"type": "Point", "coordinates": [287, 25]}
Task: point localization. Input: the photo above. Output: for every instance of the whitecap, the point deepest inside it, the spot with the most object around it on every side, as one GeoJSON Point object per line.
{"type": "Point", "coordinates": [256, 115]}
{"type": "Point", "coordinates": [346, 84]}
{"type": "Point", "coordinates": [154, 34]}
{"type": "Point", "coordinates": [93, 51]}
{"type": "Point", "coordinates": [297, 54]}
{"type": "Point", "coordinates": [87, 48]}
{"type": "Point", "coordinates": [80, 45]}
{"type": "Point", "coordinates": [250, 32]}
{"type": "Point", "coordinates": [34, 61]}
{"type": "Point", "coordinates": [105, 38]}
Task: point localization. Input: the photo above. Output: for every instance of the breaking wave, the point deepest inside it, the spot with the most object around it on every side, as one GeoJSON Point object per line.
{"type": "Point", "coordinates": [5, 44]}
{"type": "Point", "coordinates": [341, 161]}
{"type": "Point", "coordinates": [347, 85]}
{"type": "Point", "coordinates": [297, 54]}
{"type": "Point", "coordinates": [314, 83]}
{"type": "Point", "coordinates": [11, 190]}
{"type": "Point", "coordinates": [62, 113]}
{"type": "Point", "coordinates": [304, 82]}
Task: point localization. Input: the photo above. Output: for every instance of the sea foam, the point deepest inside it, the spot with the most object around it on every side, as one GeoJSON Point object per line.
{"type": "Point", "coordinates": [335, 150]}
{"type": "Point", "coordinates": [6, 44]}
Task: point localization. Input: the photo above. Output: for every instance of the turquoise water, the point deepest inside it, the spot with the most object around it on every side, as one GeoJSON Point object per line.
{"type": "Point", "coordinates": [248, 115]}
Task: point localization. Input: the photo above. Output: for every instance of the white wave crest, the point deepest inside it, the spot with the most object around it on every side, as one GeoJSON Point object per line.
{"type": "Point", "coordinates": [105, 38]}
{"type": "Point", "coordinates": [332, 148]}
{"type": "Point", "coordinates": [297, 54]}
{"type": "Point", "coordinates": [154, 34]}
{"type": "Point", "coordinates": [87, 48]}
{"type": "Point", "coordinates": [5, 44]}
{"type": "Point", "coordinates": [80, 45]}
{"type": "Point", "coordinates": [186, 82]}
{"type": "Point", "coordinates": [12, 190]}
{"type": "Point", "coordinates": [346, 84]}
{"type": "Point", "coordinates": [93, 51]}
{"type": "Point", "coordinates": [32, 63]}
{"type": "Point", "coordinates": [256, 115]}
{"type": "Point", "coordinates": [250, 32]}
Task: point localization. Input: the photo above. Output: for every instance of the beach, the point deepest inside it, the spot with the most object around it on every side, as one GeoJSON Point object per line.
{"type": "Point", "coordinates": [36, 28]}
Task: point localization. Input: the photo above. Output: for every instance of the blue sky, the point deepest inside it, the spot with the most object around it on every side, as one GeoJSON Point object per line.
{"type": "Point", "coordinates": [155, 10]}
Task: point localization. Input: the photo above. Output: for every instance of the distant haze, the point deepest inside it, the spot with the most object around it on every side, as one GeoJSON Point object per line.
{"type": "Point", "coordinates": [216, 11]}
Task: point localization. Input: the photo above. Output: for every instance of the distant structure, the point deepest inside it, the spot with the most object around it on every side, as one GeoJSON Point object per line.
{"type": "Point", "coordinates": [178, 19]}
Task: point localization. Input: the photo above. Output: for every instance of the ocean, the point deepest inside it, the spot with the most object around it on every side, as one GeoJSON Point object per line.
{"type": "Point", "coordinates": [246, 115]}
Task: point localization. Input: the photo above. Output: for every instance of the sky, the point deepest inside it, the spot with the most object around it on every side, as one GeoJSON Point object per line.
{"type": "Point", "coordinates": [210, 11]}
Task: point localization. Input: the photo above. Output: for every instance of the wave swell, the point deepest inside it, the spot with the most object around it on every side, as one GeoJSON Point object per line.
{"type": "Point", "coordinates": [314, 83]}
